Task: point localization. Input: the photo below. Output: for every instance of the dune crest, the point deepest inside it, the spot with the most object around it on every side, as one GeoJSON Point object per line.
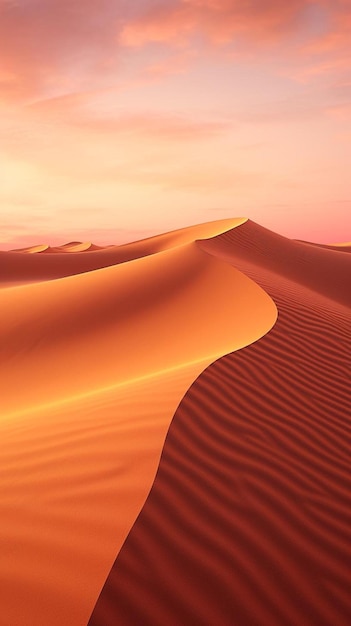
{"type": "Point", "coordinates": [101, 360]}
{"type": "Point", "coordinates": [340, 247]}
{"type": "Point", "coordinates": [344, 247]}
{"type": "Point", "coordinates": [18, 268]}
{"type": "Point", "coordinates": [33, 249]}
{"type": "Point", "coordinates": [79, 246]}
{"type": "Point", "coordinates": [148, 302]}
{"type": "Point", "coordinates": [342, 244]}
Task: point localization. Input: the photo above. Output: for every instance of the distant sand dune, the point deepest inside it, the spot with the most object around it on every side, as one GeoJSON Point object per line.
{"type": "Point", "coordinates": [80, 246]}
{"type": "Point", "coordinates": [248, 520]}
{"type": "Point", "coordinates": [72, 246]}
{"type": "Point", "coordinates": [345, 247]}
{"type": "Point", "coordinates": [341, 247]}
{"type": "Point", "coordinates": [94, 366]}
{"type": "Point", "coordinates": [34, 249]}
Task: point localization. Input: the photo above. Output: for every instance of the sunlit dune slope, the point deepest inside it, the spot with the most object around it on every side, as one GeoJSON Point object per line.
{"type": "Point", "coordinates": [248, 519]}
{"type": "Point", "coordinates": [19, 267]}
{"type": "Point", "coordinates": [32, 249]}
{"type": "Point", "coordinates": [74, 477]}
{"type": "Point", "coordinates": [72, 246]}
{"type": "Point", "coordinates": [123, 322]}
{"type": "Point", "coordinates": [93, 367]}
{"type": "Point", "coordinates": [345, 247]}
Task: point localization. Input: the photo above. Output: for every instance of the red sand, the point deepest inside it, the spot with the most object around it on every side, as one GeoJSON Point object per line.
{"type": "Point", "coordinates": [248, 521]}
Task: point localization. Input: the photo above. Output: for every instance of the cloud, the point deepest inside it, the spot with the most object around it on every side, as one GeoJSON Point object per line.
{"type": "Point", "coordinates": [218, 21]}
{"type": "Point", "coordinates": [62, 46]}
{"type": "Point", "coordinates": [177, 62]}
{"type": "Point", "coordinates": [312, 36]}
{"type": "Point", "coordinates": [107, 118]}
{"type": "Point", "coordinates": [161, 126]}
{"type": "Point", "coordinates": [210, 179]}
{"type": "Point", "coordinates": [337, 37]}
{"type": "Point", "coordinates": [327, 54]}
{"type": "Point", "coordinates": [341, 112]}
{"type": "Point", "coordinates": [54, 44]}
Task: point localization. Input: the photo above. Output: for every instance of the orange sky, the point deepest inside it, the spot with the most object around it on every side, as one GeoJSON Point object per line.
{"type": "Point", "coordinates": [123, 119]}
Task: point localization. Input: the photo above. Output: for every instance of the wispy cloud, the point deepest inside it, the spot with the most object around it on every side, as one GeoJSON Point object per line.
{"type": "Point", "coordinates": [60, 46]}
{"type": "Point", "coordinates": [161, 127]}
{"type": "Point", "coordinates": [219, 21]}
{"type": "Point", "coordinates": [55, 44]}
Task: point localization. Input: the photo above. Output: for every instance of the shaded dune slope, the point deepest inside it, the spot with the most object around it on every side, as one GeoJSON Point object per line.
{"type": "Point", "coordinates": [324, 271]}
{"type": "Point", "coordinates": [248, 520]}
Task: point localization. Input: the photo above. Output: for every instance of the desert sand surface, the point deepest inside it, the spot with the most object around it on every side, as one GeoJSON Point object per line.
{"type": "Point", "coordinates": [248, 520]}
{"type": "Point", "coordinates": [95, 359]}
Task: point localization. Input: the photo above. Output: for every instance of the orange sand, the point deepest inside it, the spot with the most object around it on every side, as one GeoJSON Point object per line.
{"type": "Point", "coordinates": [94, 366]}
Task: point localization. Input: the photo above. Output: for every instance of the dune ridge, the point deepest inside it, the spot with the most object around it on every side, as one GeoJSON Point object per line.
{"type": "Point", "coordinates": [71, 246]}
{"type": "Point", "coordinates": [248, 519]}
{"type": "Point", "coordinates": [74, 320]}
{"type": "Point", "coordinates": [94, 366]}
{"type": "Point", "coordinates": [338, 247]}
{"type": "Point", "coordinates": [18, 267]}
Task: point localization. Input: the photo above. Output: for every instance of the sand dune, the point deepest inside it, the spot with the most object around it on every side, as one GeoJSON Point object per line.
{"type": "Point", "coordinates": [93, 368]}
{"type": "Point", "coordinates": [72, 246]}
{"type": "Point", "coordinates": [80, 246]}
{"type": "Point", "coordinates": [149, 315]}
{"type": "Point", "coordinates": [248, 520]}
{"type": "Point", "coordinates": [20, 268]}
{"type": "Point", "coordinates": [345, 247]}
{"type": "Point", "coordinates": [33, 249]}
{"type": "Point", "coordinates": [341, 247]}
{"type": "Point", "coordinates": [323, 271]}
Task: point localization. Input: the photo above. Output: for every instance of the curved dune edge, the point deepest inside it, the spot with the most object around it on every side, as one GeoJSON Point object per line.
{"type": "Point", "coordinates": [344, 247]}
{"type": "Point", "coordinates": [79, 246]}
{"type": "Point", "coordinates": [18, 267]}
{"type": "Point", "coordinates": [34, 249]}
{"type": "Point", "coordinates": [340, 247]}
{"type": "Point", "coordinates": [104, 317]}
{"type": "Point", "coordinates": [72, 246]}
{"type": "Point", "coordinates": [341, 244]}
{"type": "Point", "coordinates": [248, 518]}
{"type": "Point", "coordinates": [102, 360]}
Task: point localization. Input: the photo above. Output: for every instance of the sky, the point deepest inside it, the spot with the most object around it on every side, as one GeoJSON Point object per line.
{"type": "Point", "coordinates": [123, 119]}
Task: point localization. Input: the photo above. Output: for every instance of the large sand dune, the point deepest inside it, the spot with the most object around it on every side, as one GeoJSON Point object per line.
{"type": "Point", "coordinates": [248, 520]}
{"type": "Point", "coordinates": [31, 265]}
{"type": "Point", "coordinates": [95, 361]}
{"type": "Point", "coordinates": [170, 443]}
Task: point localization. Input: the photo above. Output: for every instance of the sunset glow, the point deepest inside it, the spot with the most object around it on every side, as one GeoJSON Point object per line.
{"type": "Point", "coordinates": [119, 120]}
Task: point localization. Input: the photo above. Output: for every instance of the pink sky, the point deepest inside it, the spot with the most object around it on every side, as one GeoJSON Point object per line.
{"type": "Point", "coordinates": [123, 119]}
